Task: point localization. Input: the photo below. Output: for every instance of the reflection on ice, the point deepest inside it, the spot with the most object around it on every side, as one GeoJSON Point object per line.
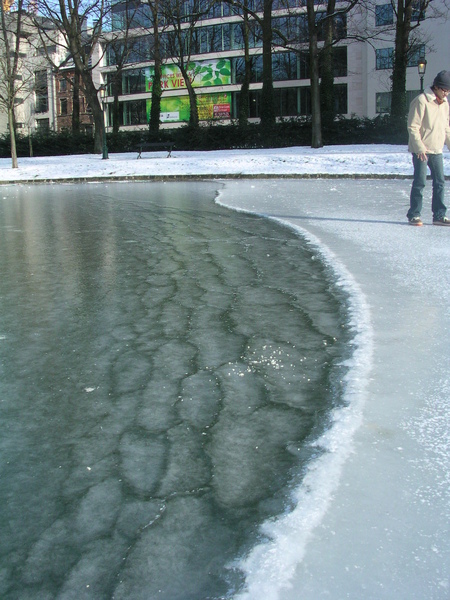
{"type": "Point", "coordinates": [155, 394]}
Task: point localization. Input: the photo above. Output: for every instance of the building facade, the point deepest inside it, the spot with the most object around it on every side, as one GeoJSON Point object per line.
{"type": "Point", "coordinates": [362, 69]}
{"type": "Point", "coordinates": [64, 102]}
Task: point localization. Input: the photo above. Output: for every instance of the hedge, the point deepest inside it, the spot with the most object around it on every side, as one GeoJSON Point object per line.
{"type": "Point", "coordinates": [215, 137]}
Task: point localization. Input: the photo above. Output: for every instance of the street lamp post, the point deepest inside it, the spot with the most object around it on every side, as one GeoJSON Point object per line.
{"type": "Point", "coordinates": [421, 67]}
{"type": "Point", "coordinates": [103, 98]}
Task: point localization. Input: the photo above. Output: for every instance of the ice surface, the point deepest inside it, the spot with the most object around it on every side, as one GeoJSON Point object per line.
{"type": "Point", "coordinates": [160, 376]}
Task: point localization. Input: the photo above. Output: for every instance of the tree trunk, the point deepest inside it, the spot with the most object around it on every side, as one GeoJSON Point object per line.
{"type": "Point", "coordinates": [97, 111]}
{"type": "Point", "coordinates": [12, 136]}
{"type": "Point", "coordinates": [244, 96]}
{"type": "Point", "coordinates": [402, 32]}
{"type": "Point", "coordinates": [193, 113]}
{"type": "Point", "coordinates": [316, 141]}
{"type": "Point", "coordinates": [117, 90]}
{"type": "Point", "coordinates": [267, 98]}
{"type": "Point", "coordinates": [327, 106]}
{"type": "Point", "coordinates": [76, 103]}
{"type": "Point", "coordinates": [155, 109]}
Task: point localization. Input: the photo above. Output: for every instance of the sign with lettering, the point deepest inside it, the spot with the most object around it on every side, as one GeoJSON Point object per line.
{"type": "Point", "coordinates": [200, 73]}
{"type": "Point", "coordinates": [210, 106]}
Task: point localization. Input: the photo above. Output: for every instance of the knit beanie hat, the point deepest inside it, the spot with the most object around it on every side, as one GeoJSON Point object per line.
{"type": "Point", "coordinates": [442, 80]}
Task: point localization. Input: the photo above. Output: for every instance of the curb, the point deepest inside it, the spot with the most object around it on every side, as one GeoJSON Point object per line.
{"type": "Point", "coordinates": [207, 177]}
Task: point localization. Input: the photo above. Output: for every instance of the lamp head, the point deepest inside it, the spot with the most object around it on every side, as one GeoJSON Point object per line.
{"type": "Point", "coordinates": [422, 66]}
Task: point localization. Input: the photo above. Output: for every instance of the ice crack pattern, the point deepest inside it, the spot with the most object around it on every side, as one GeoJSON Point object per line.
{"type": "Point", "coordinates": [163, 362]}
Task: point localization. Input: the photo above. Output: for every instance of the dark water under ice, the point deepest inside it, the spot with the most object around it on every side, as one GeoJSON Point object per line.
{"type": "Point", "coordinates": [162, 362]}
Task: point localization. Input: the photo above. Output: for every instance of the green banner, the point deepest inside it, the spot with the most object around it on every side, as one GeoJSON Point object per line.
{"type": "Point", "coordinates": [201, 74]}
{"type": "Point", "coordinates": [210, 106]}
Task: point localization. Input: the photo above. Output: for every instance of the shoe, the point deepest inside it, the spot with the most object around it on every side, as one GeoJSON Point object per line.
{"type": "Point", "coordinates": [442, 221]}
{"type": "Point", "coordinates": [417, 221]}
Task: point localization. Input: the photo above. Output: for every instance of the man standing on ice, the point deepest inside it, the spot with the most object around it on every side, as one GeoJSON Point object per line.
{"type": "Point", "coordinates": [429, 130]}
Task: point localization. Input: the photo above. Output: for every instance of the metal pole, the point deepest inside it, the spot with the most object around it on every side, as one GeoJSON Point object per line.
{"type": "Point", "coordinates": [105, 147]}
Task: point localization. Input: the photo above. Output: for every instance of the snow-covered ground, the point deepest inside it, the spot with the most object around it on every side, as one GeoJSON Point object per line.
{"type": "Point", "coordinates": [373, 520]}
{"type": "Point", "coordinates": [379, 160]}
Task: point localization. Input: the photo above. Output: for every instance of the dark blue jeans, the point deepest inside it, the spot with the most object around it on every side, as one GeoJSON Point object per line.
{"type": "Point", "coordinates": [436, 165]}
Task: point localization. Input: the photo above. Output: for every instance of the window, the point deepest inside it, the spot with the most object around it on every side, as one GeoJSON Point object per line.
{"type": "Point", "coordinates": [305, 101]}
{"type": "Point", "coordinates": [286, 102]}
{"type": "Point", "coordinates": [303, 65]}
{"type": "Point", "coordinates": [416, 53]}
{"type": "Point", "coordinates": [133, 82]}
{"type": "Point", "coordinates": [340, 61]}
{"type": "Point", "coordinates": [339, 58]}
{"type": "Point", "coordinates": [384, 58]}
{"type": "Point", "coordinates": [130, 14]}
{"type": "Point", "coordinates": [383, 100]}
{"type": "Point", "coordinates": [418, 10]}
{"type": "Point", "coordinates": [44, 50]}
{"type": "Point", "coordinates": [63, 106]}
{"type": "Point", "coordinates": [340, 99]}
{"type": "Point", "coordinates": [133, 113]}
{"type": "Point", "coordinates": [41, 91]}
{"type": "Point", "coordinates": [284, 66]}
{"type": "Point", "coordinates": [136, 50]}
{"type": "Point", "coordinates": [213, 38]}
{"type": "Point", "coordinates": [384, 15]}
{"type": "Point", "coordinates": [219, 9]}
{"type": "Point", "coordinates": [43, 124]}
{"type": "Point", "coordinates": [255, 104]}
{"type": "Point", "coordinates": [339, 26]}
{"type": "Point", "coordinates": [63, 85]}
{"type": "Point", "coordinates": [238, 69]}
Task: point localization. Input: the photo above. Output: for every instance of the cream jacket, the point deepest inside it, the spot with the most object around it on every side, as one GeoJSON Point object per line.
{"type": "Point", "coordinates": [428, 124]}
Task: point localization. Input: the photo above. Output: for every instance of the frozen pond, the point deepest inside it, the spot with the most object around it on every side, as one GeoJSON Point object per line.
{"type": "Point", "coordinates": [164, 362]}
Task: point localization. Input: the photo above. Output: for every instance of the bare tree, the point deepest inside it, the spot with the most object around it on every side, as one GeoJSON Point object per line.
{"type": "Point", "coordinates": [244, 95]}
{"type": "Point", "coordinates": [17, 76]}
{"type": "Point", "coordinates": [323, 25]}
{"type": "Point", "coordinates": [70, 19]}
{"type": "Point", "coordinates": [327, 106]}
{"type": "Point", "coordinates": [320, 30]}
{"type": "Point", "coordinates": [181, 18]}
{"type": "Point", "coordinates": [155, 109]}
{"type": "Point", "coordinates": [127, 41]}
{"type": "Point", "coordinates": [409, 14]}
{"type": "Point", "coordinates": [268, 116]}
{"type": "Point", "coordinates": [257, 18]}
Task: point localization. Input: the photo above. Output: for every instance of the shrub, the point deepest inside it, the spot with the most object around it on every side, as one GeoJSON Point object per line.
{"type": "Point", "coordinates": [288, 132]}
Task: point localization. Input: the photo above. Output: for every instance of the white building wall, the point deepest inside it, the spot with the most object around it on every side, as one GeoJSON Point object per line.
{"type": "Point", "coordinates": [356, 80]}
{"type": "Point", "coordinates": [3, 121]}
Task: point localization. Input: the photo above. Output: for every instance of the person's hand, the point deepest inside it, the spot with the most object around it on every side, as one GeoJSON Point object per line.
{"type": "Point", "coordinates": [422, 156]}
